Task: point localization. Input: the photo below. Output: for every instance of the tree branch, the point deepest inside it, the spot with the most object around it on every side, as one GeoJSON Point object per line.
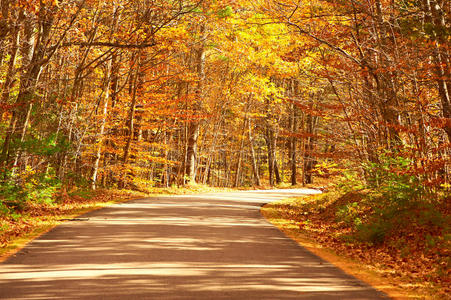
{"type": "Point", "coordinates": [110, 44]}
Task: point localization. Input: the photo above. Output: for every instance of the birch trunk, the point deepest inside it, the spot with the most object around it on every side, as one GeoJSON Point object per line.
{"type": "Point", "coordinates": [106, 96]}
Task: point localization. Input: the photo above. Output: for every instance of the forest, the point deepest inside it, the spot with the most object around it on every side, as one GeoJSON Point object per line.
{"type": "Point", "coordinates": [227, 93]}
{"type": "Point", "coordinates": [133, 95]}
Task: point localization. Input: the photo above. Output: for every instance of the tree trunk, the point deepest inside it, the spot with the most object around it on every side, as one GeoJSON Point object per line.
{"type": "Point", "coordinates": [131, 116]}
{"type": "Point", "coordinates": [4, 26]}
{"type": "Point", "coordinates": [268, 138]}
{"type": "Point", "coordinates": [106, 96]}
{"type": "Point", "coordinates": [191, 152]}
{"type": "Point", "coordinates": [292, 145]}
{"type": "Point", "coordinates": [193, 129]}
{"type": "Point", "coordinates": [309, 161]}
{"type": "Point", "coordinates": [275, 163]}
{"type": "Point", "coordinates": [276, 170]}
{"type": "Point", "coordinates": [10, 74]}
{"type": "Point", "coordinates": [253, 157]}
{"type": "Point", "coordinates": [435, 15]}
{"type": "Point", "coordinates": [6, 144]}
{"type": "Point", "coordinates": [240, 154]}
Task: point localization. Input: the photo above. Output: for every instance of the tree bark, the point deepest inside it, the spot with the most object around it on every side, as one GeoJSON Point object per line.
{"type": "Point", "coordinates": [435, 15]}
{"type": "Point", "coordinates": [106, 96]}
{"type": "Point", "coordinates": [292, 145]}
{"type": "Point", "coordinates": [309, 161]}
{"type": "Point", "coordinates": [240, 154]}
{"type": "Point", "coordinates": [253, 157]}
{"type": "Point", "coordinates": [193, 129]}
{"type": "Point", "coordinates": [275, 163]}
{"type": "Point", "coordinates": [131, 116]}
{"type": "Point", "coordinates": [9, 79]}
{"type": "Point", "coordinates": [268, 138]}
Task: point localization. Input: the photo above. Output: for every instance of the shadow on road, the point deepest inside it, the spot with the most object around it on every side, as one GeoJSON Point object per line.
{"type": "Point", "coordinates": [185, 247]}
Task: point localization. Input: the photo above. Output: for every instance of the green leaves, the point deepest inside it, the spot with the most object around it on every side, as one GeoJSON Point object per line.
{"type": "Point", "coordinates": [47, 146]}
{"type": "Point", "coordinates": [18, 190]}
{"type": "Point", "coordinates": [225, 12]}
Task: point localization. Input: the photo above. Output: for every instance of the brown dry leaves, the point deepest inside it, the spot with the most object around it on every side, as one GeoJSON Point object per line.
{"type": "Point", "coordinates": [404, 257]}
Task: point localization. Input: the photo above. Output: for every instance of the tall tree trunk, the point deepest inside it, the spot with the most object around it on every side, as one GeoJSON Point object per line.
{"type": "Point", "coordinates": [4, 25]}
{"type": "Point", "coordinates": [11, 72]}
{"type": "Point", "coordinates": [212, 150]}
{"type": "Point", "coordinates": [253, 156]}
{"type": "Point", "coordinates": [292, 145]}
{"type": "Point", "coordinates": [6, 144]}
{"type": "Point", "coordinates": [35, 57]}
{"type": "Point", "coordinates": [240, 154]}
{"type": "Point", "coordinates": [106, 96]}
{"type": "Point", "coordinates": [435, 14]}
{"type": "Point", "coordinates": [276, 170]}
{"type": "Point", "coordinates": [309, 160]}
{"type": "Point", "coordinates": [191, 151]}
{"type": "Point", "coordinates": [275, 162]}
{"type": "Point", "coordinates": [269, 145]}
{"type": "Point", "coordinates": [131, 116]}
{"type": "Point", "coordinates": [167, 165]}
{"type": "Point", "coordinates": [193, 129]}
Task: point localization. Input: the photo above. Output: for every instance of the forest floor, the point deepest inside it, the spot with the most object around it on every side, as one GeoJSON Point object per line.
{"type": "Point", "coordinates": [18, 229]}
{"type": "Point", "coordinates": [402, 266]}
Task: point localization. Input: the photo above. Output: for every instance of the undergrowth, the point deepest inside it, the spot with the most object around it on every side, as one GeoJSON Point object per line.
{"type": "Point", "coordinates": [389, 217]}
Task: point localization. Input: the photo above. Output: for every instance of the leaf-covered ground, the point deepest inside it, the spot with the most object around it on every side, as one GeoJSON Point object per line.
{"type": "Point", "coordinates": [415, 258]}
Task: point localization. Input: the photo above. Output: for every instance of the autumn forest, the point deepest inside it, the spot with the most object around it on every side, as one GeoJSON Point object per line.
{"type": "Point", "coordinates": [134, 95]}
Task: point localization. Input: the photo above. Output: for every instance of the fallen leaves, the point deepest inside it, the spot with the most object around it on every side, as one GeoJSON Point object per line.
{"type": "Point", "coordinates": [404, 257]}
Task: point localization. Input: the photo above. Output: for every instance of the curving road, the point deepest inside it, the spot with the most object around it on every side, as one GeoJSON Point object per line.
{"type": "Point", "coordinates": [212, 246]}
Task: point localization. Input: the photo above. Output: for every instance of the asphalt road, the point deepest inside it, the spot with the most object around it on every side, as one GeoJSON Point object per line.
{"type": "Point", "coordinates": [212, 246]}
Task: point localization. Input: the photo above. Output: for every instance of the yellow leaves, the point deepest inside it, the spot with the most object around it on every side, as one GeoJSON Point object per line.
{"type": "Point", "coordinates": [27, 174]}
{"type": "Point", "coordinates": [174, 38]}
{"type": "Point", "coordinates": [260, 87]}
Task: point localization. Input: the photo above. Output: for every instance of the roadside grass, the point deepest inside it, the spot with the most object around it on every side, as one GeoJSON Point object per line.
{"type": "Point", "coordinates": [402, 265]}
{"type": "Point", "coordinates": [20, 227]}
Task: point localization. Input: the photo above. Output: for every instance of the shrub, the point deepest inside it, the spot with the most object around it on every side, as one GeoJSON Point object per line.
{"type": "Point", "coordinates": [18, 190]}
{"type": "Point", "coordinates": [350, 182]}
{"type": "Point", "coordinates": [373, 232]}
{"type": "Point", "coordinates": [396, 198]}
{"type": "Point", "coordinates": [349, 214]}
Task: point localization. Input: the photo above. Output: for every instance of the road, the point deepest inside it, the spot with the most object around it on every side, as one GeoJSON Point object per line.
{"type": "Point", "coordinates": [211, 246]}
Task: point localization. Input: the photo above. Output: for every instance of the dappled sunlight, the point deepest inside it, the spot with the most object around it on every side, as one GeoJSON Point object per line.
{"type": "Point", "coordinates": [234, 276]}
{"type": "Point", "coordinates": [174, 247]}
{"type": "Point", "coordinates": [175, 221]}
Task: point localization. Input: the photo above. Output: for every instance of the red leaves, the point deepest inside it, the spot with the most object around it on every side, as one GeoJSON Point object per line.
{"type": "Point", "coordinates": [439, 123]}
{"type": "Point", "coordinates": [299, 134]}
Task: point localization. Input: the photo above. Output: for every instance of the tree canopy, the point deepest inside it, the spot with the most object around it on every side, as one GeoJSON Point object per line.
{"type": "Point", "coordinates": [135, 94]}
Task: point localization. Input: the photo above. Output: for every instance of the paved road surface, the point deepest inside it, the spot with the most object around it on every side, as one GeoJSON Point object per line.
{"type": "Point", "coordinates": [214, 246]}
